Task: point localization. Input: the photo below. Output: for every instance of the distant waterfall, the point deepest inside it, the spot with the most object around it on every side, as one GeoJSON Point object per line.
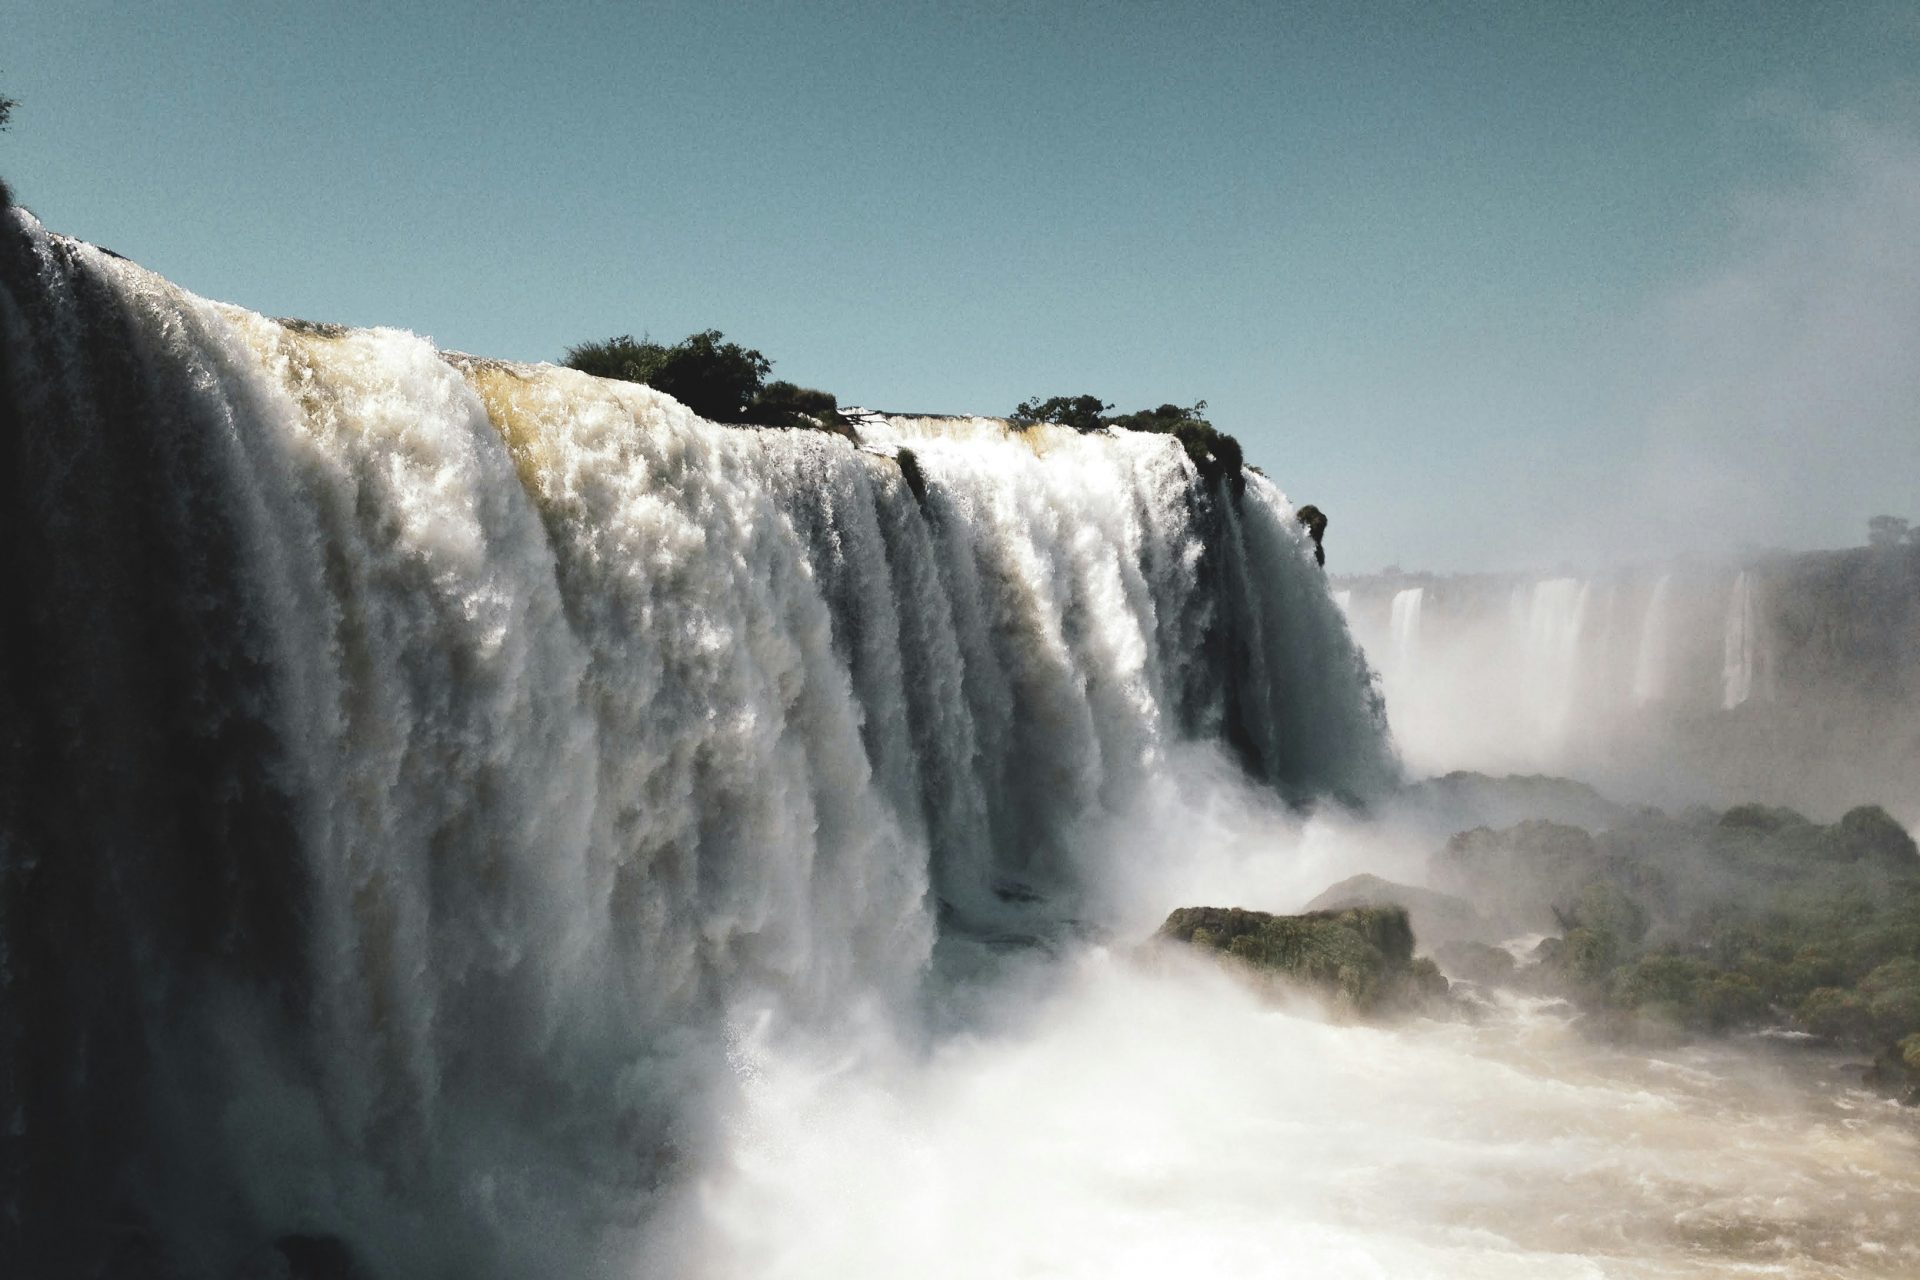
{"type": "Point", "coordinates": [1741, 645]}
{"type": "Point", "coordinates": [1551, 651]}
{"type": "Point", "coordinates": [413, 762]}
{"type": "Point", "coordinates": [1650, 660]}
{"type": "Point", "coordinates": [1404, 626]}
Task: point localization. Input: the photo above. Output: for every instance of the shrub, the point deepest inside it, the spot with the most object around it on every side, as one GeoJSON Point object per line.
{"type": "Point", "coordinates": [782, 404]}
{"type": "Point", "coordinates": [715, 378]}
{"type": "Point", "coordinates": [1082, 413]}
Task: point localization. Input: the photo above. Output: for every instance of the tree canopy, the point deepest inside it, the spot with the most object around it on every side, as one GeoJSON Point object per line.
{"type": "Point", "coordinates": [1082, 413]}
{"type": "Point", "coordinates": [1213, 452]}
{"type": "Point", "coordinates": [719, 380]}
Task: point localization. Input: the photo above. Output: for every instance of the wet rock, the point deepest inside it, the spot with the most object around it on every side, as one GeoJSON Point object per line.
{"type": "Point", "coordinates": [1361, 958]}
{"type": "Point", "coordinates": [1316, 521]}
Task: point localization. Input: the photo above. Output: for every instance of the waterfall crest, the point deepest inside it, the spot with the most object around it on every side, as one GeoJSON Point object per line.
{"type": "Point", "coordinates": [414, 761]}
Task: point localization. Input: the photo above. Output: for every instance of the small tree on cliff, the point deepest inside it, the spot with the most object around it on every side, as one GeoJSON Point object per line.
{"type": "Point", "coordinates": [719, 380]}
{"type": "Point", "coordinates": [1082, 413]}
{"type": "Point", "coordinates": [715, 378]}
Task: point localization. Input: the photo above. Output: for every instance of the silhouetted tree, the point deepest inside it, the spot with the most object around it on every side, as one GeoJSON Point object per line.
{"type": "Point", "coordinates": [715, 378]}
{"type": "Point", "coordinates": [782, 404]}
{"type": "Point", "coordinates": [1082, 413]}
{"type": "Point", "coordinates": [1215, 453]}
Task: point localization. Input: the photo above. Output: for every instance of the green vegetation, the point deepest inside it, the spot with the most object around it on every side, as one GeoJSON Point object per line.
{"type": "Point", "coordinates": [1362, 957]}
{"type": "Point", "coordinates": [1082, 413]}
{"type": "Point", "coordinates": [719, 380]}
{"type": "Point", "coordinates": [1214, 453]}
{"type": "Point", "coordinates": [1707, 923]}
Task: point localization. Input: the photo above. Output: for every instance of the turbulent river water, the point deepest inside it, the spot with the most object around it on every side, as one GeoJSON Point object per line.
{"type": "Point", "coordinates": [470, 819]}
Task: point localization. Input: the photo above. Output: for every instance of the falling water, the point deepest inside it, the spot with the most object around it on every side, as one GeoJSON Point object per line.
{"type": "Point", "coordinates": [1650, 661]}
{"type": "Point", "coordinates": [1551, 661]}
{"type": "Point", "coordinates": [1740, 647]}
{"type": "Point", "coordinates": [1404, 625]}
{"type": "Point", "coordinates": [417, 764]}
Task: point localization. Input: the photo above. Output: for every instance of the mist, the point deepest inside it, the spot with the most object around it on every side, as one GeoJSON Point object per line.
{"type": "Point", "coordinates": [1787, 408]}
{"type": "Point", "coordinates": [1120, 1110]}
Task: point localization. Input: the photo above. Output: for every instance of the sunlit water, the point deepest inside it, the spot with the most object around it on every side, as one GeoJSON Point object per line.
{"type": "Point", "coordinates": [1143, 1118]}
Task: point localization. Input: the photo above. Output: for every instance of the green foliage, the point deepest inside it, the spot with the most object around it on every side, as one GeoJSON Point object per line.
{"type": "Point", "coordinates": [782, 404]}
{"type": "Point", "coordinates": [1362, 956]}
{"type": "Point", "coordinates": [1082, 413]}
{"type": "Point", "coordinates": [1709, 923]}
{"type": "Point", "coordinates": [1215, 454]}
{"type": "Point", "coordinates": [1868, 833]}
{"type": "Point", "coordinates": [1835, 1013]}
{"type": "Point", "coordinates": [715, 378]}
{"type": "Point", "coordinates": [1604, 908]}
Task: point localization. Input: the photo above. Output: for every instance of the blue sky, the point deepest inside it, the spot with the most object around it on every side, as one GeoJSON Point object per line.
{"type": "Point", "coordinates": [1494, 284]}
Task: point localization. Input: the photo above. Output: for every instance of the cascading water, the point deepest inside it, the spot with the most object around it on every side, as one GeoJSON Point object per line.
{"type": "Point", "coordinates": [1403, 625]}
{"type": "Point", "coordinates": [1651, 657]}
{"type": "Point", "coordinates": [1741, 644]}
{"type": "Point", "coordinates": [1551, 655]}
{"type": "Point", "coordinates": [416, 764]}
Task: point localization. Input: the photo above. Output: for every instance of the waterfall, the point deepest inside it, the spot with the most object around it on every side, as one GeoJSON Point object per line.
{"type": "Point", "coordinates": [1403, 626]}
{"type": "Point", "coordinates": [1650, 660]}
{"type": "Point", "coordinates": [1741, 645]}
{"type": "Point", "coordinates": [1551, 661]}
{"type": "Point", "coordinates": [416, 763]}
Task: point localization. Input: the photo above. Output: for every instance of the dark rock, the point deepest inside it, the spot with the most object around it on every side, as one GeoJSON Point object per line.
{"type": "Point", "coordinates": [1362, 957]}
{"type": "Point", "coordinates": [1316, 521]}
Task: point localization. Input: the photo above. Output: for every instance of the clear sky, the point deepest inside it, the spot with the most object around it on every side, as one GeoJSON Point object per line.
{"type": "Point", "coordinates": [1493, 284]}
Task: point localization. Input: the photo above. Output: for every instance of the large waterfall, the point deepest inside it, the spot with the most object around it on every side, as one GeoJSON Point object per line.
{"type": "Point", "coordinates": [415, 765]}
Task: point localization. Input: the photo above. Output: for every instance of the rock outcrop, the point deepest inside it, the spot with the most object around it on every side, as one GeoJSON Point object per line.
{"type": "Point", "coordinates": [1361, 958]}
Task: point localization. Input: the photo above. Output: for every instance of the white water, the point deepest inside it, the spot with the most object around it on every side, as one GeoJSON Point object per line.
{"type": "Point", "coordinates": [1551, 663]}
{"type": "Point", "coordinates": [607, 844]}
{"type": "Point", "coordinates": [1405, 629]}
{"type": "Point", "coordinates": [1651, 660]}
{"type": "Point", "coordinates": [1137, 1120]}
{"type": "Point", "coordinates": [1741, 645]}
{"type": "Point", "coordinates": [536, 733]}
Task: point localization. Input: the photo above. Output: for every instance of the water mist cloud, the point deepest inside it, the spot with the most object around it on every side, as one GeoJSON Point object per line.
{"type": "Point", "coordinates": [1787, 404]}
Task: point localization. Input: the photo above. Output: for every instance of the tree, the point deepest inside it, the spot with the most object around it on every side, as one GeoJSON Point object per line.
{"type": "Point", "coordinates": [1082, 413]}
{"type": "Point", "coordinates": [6, 109]}
{"type": "Point", "coordinates": [1886, 531]}
{"type": "Point", "coordinates": [782, 404]}
{"type": "Point", "coordinates": [715, 378]}
{"type": "Point", "coordinates": [1214, 453]}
